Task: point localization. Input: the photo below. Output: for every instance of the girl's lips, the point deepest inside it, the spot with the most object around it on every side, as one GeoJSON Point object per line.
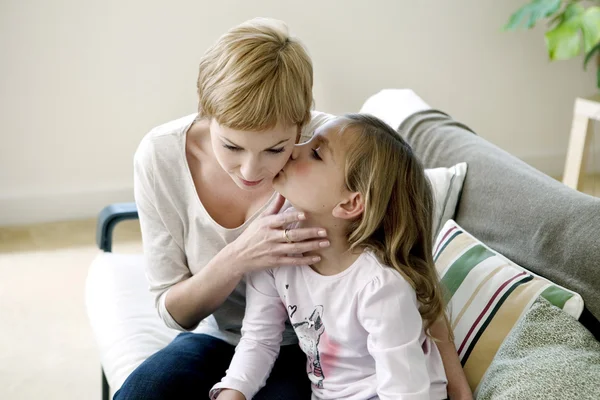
{"type": "Point", "coordinates": [250, 183]}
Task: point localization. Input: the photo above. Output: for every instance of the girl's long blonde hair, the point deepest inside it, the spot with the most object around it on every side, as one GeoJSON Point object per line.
{"type": "Point", "coordinates": [398, 208]}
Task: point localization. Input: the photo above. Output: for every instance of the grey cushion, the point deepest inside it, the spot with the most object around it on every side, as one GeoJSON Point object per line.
{"type": "Point", "coordinates": [515, 209]}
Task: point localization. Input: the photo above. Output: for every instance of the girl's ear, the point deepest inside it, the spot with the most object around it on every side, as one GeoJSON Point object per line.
{"type": "Point", "coordinates": [350, 208]}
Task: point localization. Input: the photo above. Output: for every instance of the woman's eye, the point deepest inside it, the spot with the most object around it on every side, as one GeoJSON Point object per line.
{"type": "Point", "coordinates": [316, 155]}
{"type": "Point", "coordinates": [276, 151]}
{"type": "Point", "coordinates": [232, 148]}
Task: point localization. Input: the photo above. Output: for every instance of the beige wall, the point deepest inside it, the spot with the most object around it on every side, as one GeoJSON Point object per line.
{"type": "Point", "coordinates": [83, 81]}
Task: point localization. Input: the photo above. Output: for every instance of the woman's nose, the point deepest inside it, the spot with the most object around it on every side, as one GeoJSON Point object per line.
{"type": "Point", "coordinates": [250, 168]}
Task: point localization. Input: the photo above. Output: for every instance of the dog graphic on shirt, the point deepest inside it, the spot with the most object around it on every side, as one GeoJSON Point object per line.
{"type": "Point", "coordinates": [309, 334]}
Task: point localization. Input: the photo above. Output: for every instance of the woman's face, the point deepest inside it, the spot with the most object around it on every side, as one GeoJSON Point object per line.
{"type": "Point", "coordinates": [314, 178]}
{"type": "Point", "coordinates": [252, 159]}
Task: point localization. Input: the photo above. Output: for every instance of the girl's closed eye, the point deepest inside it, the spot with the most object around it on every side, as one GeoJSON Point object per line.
{"type": "Point", "coordinates": [276, 151]}
{"type": "Point", "coordinates": [315, 154]}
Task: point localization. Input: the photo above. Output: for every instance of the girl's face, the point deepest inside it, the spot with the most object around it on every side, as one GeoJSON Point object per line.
{"type": "Point", "coordinates": [252, 159]}
{"type": "Point", "coordinates": [313, 180]}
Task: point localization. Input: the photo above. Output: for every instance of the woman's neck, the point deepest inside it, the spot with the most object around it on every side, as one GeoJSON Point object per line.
{"type": "Point", "coordinates": [337, 257]}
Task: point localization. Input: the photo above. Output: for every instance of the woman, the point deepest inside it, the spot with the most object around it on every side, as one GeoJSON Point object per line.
{"type": "Point", "coordinates": [209, 215]}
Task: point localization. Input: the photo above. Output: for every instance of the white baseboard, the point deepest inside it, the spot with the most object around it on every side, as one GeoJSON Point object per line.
{"type": "Point", "coordinates": [32, 208]}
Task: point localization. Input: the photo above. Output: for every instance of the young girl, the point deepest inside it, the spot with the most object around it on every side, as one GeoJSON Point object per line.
{"type": "Point", "coordinates": [362, 314]}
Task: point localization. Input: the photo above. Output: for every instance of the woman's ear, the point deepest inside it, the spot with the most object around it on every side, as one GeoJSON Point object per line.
{"type": "Point", "coordinates": [350, 208]}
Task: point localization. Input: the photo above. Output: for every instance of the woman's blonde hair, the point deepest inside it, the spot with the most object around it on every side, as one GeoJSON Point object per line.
{"type": "Point", "coordinates": [398, 209]}
{"type": "Point", "coordinates": [255, 76]}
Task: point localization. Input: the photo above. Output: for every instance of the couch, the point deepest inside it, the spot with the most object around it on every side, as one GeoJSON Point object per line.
{"type": "Point", "coordinates": [518, 211]}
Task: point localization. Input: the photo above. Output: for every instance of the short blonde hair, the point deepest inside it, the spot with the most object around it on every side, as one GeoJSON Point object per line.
{"type": "Point", "coordinates": [255, 76]}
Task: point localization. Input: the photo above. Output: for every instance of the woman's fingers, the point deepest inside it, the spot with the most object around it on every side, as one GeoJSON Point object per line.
{"type": "Point", "coordinates": [304, 260]}
{"type": "Point", "coordinates": [302, 247]}
{"type": "Point", "coordinates": [302, 234]}
{"type": "Point", "coordinates": [285, 218]}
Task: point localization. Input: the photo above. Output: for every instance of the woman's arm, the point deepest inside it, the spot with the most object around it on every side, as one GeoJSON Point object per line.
{"type": "Point", "coordinates": [184, 300]}
{"type": "Point", "coordinates": [458, 387]}
{"type": "Point", "coordinates": [195, 298]}
{"type": "Point", "coordinates": [260, 246]}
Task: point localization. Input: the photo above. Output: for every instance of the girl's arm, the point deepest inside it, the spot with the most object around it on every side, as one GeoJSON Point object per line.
{"type": "Point", "coordinates": [262, 331]}
{"type": "Point", "coordinates": [458, 387]}
{"type": "Point", "coordinates": [230, 394]}
{"type": "Point", "coordinates": [387, 309]}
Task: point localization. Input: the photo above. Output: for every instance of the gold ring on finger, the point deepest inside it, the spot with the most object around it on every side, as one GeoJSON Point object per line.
{"type": "Point", "coordinates": [286, 237]}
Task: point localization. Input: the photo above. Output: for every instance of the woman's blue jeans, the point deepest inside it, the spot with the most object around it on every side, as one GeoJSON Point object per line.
{"type": "Point", "coordinates": [192, 363]}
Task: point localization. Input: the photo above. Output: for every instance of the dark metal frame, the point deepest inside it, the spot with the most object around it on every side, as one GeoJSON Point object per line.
{"type": "Point", "coordinates": [108, 218]}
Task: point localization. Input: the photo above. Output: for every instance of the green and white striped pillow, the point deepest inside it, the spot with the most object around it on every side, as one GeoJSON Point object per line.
{"type": "Point", "coordinates": [487, 294]}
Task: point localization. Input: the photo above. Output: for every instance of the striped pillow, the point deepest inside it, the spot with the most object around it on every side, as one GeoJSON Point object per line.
{"type": "Point", "coordinates": [486, 295]}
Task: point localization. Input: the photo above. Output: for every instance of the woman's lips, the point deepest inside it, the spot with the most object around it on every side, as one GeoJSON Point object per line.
{"type": "Point", "coordinates": [250, 183]}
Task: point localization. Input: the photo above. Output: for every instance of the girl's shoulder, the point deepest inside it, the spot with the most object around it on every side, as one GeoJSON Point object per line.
{"type": "Point", "coordinates": [385, 277]}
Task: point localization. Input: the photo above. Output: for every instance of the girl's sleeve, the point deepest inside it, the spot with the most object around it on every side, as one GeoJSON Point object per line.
{"type": "Point", "coordinates": [262, 331]}
{"type": "Point", "coordinates": [387, 309]}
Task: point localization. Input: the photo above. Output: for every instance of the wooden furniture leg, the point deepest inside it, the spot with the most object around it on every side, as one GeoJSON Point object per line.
{"type": "Point", "coordinates": [585, 112]}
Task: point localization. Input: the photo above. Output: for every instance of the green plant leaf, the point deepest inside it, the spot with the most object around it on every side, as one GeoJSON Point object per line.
{"type": "Point", "coordinates": [590, 54]}
{"type": "Point", "coordinates": [573, 10]}
{"type": "Point", "coordinates": [590, 26]}
{"type": "Point", "coordinates": [598, 78]}
{"type": "Point", "coordinates": [536, 10]}
{"type": "Point", "coordinates": [564, 40]}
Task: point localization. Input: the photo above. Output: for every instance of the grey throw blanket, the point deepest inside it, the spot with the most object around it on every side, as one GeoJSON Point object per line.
{"type": "Point", "coordinates": [548, 355]}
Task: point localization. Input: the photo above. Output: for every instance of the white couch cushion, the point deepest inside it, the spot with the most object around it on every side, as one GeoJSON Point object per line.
{"type": "Point", "coordinates": [446, 184]}
{"type": "Point", "coordinates": [394, 105]}
{"type": "Point", "coordinates": [121, 310]}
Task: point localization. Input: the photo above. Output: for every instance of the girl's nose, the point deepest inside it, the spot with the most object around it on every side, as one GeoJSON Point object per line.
{"type": "Point", "coordinates": [296, 152]}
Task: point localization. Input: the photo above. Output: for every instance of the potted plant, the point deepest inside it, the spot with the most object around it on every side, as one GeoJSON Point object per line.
{"type": "Point", "coordinates": [573, 28]}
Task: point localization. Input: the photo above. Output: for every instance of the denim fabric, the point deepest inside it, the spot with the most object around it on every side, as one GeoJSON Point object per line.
{"type": "Point", "coordinates": [192, 363]}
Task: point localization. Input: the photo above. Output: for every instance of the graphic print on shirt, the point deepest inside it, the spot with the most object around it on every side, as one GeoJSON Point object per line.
{"type": "Point", "coordinates": [309, 334]}
{"type": "Point", "coordinates": [291, 308]}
